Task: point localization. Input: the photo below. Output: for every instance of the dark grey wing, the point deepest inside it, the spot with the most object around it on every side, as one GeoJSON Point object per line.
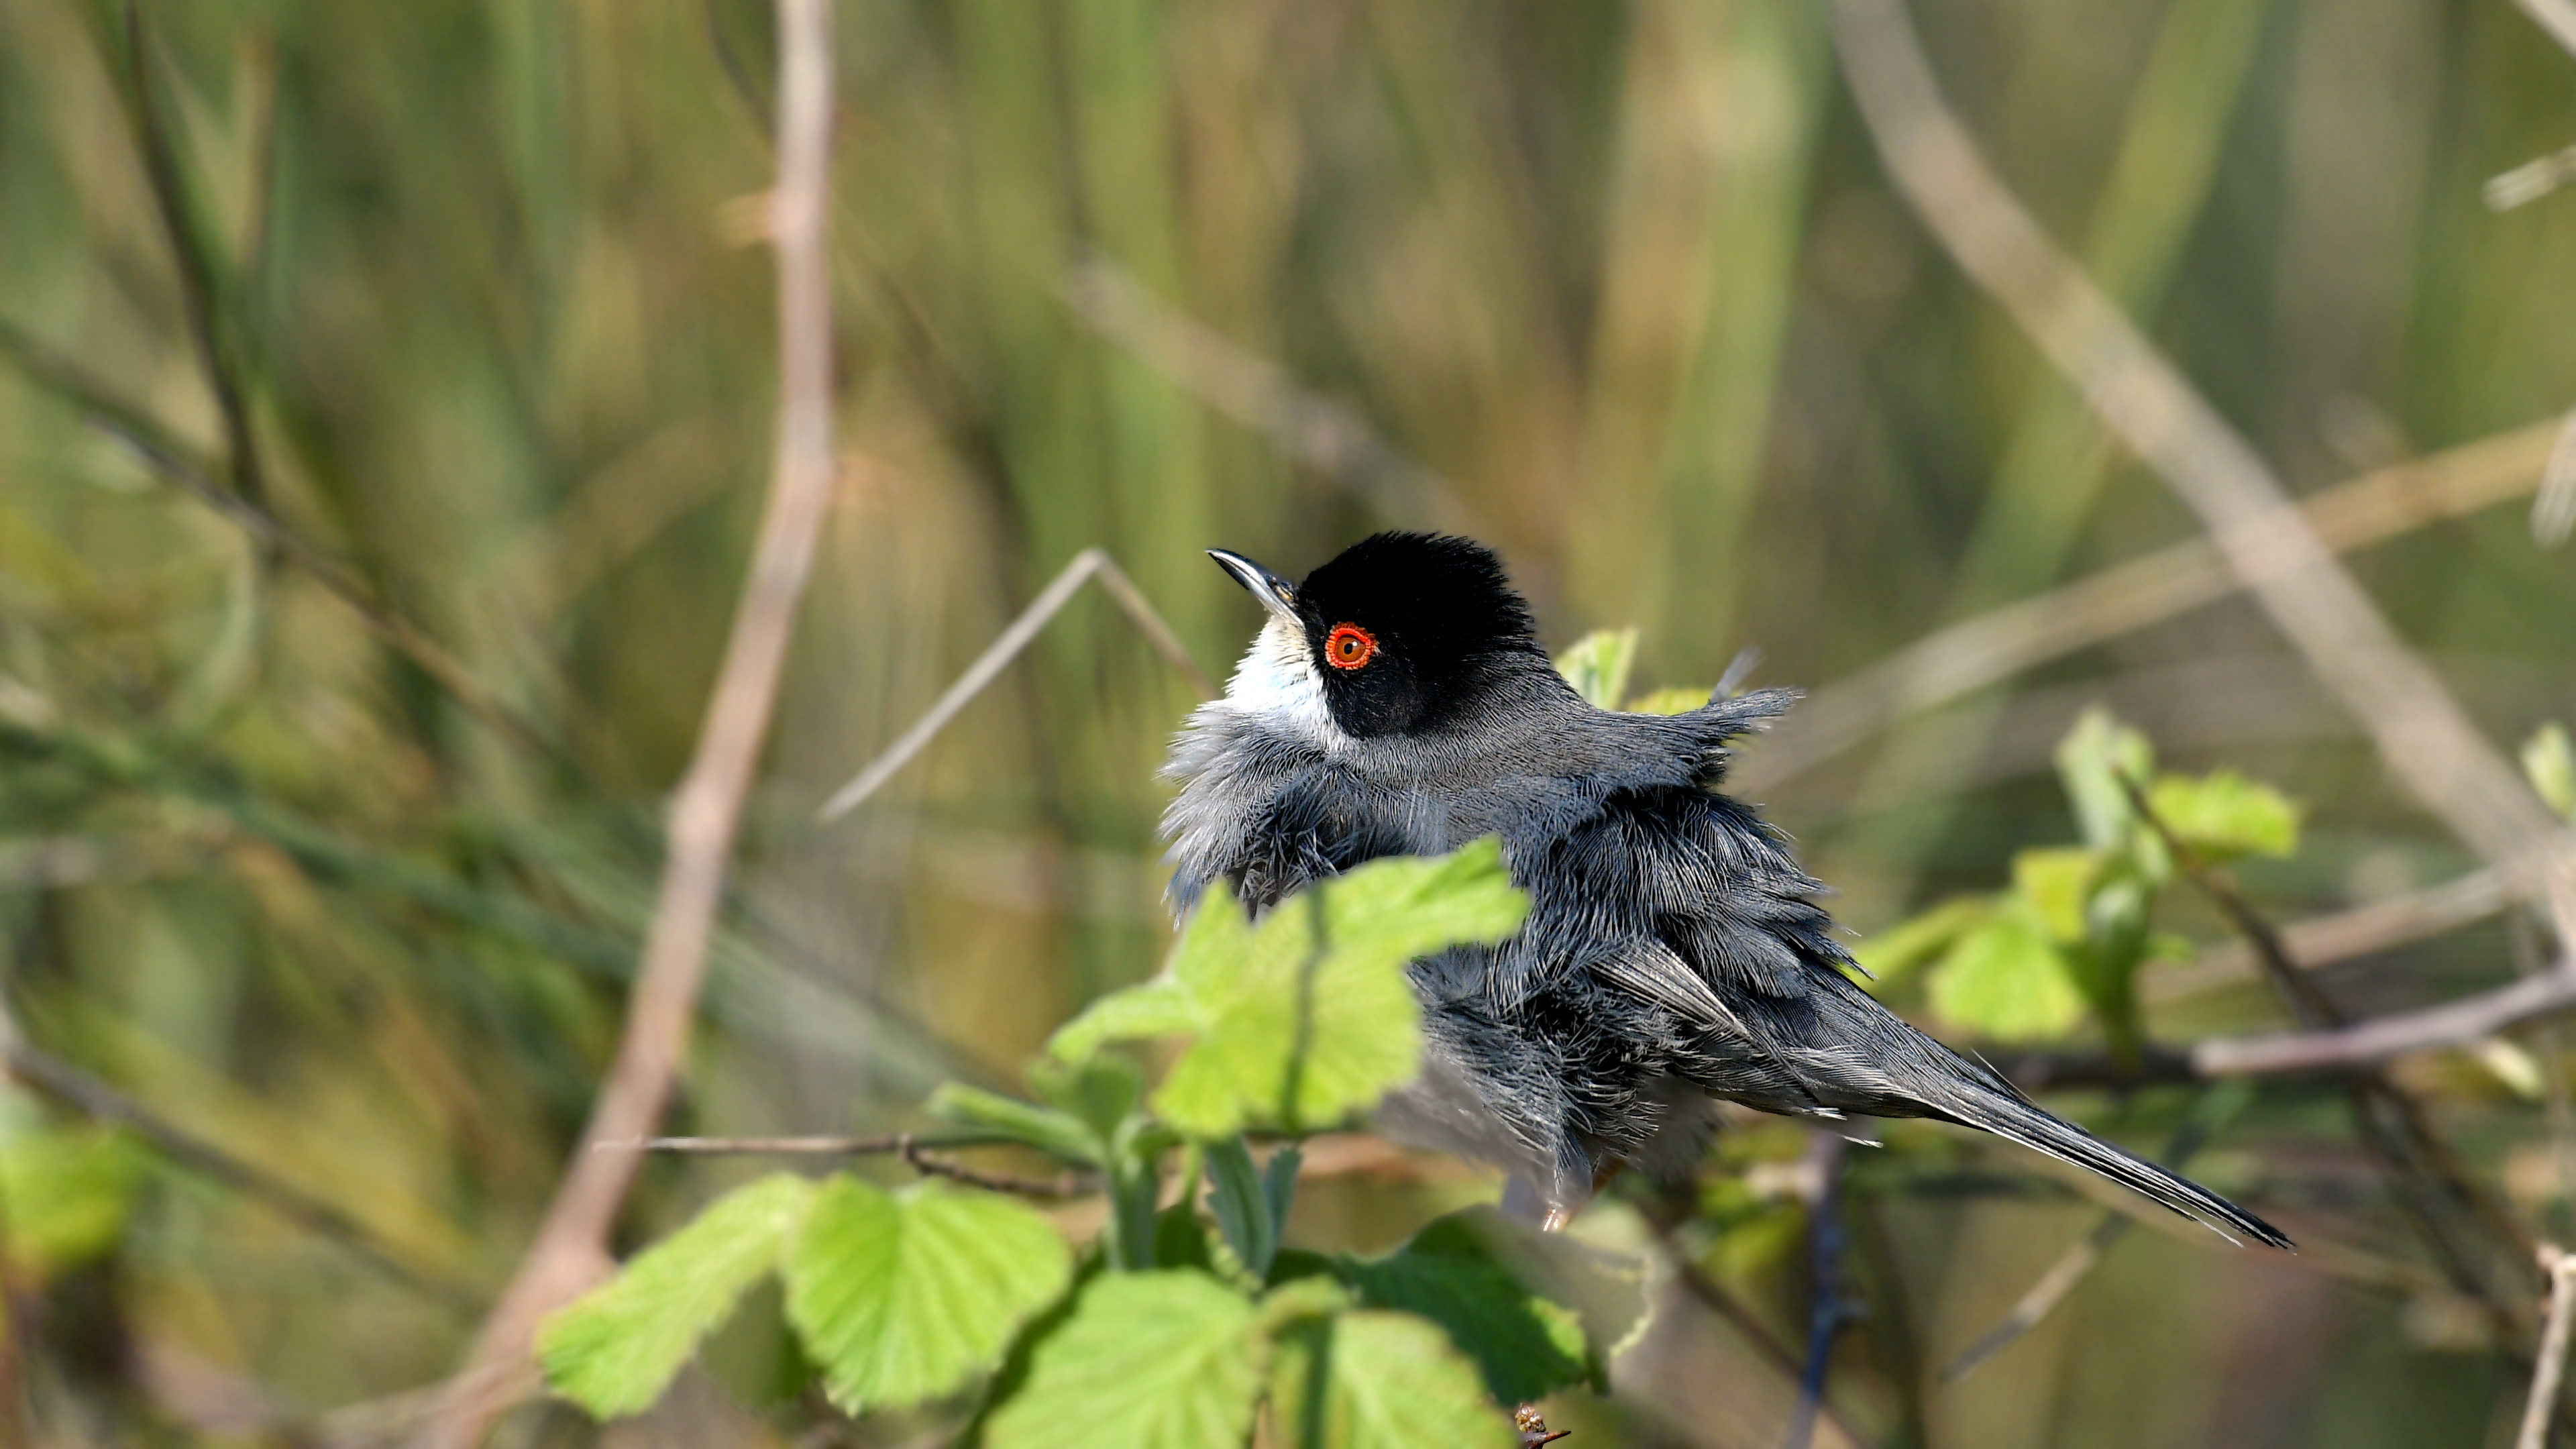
{"type": "Point", "coordinates": [1781, 1027]}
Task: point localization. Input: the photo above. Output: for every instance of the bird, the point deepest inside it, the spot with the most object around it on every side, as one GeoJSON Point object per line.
{"type": "Point", "coordinates": [1397, 702]}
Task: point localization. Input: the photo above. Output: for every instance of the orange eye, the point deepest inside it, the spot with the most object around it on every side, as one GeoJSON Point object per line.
{"type": "Point", "coordinates": [1349, 646]}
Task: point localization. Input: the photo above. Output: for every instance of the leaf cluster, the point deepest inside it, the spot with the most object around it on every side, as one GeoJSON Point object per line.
{"type": "Point", "coordinates": [2066, 939]}
{"type": "Point", "coordinates": [1179, 1325]}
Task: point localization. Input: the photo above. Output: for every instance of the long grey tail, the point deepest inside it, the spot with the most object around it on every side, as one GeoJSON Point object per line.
{"type": "Point", "coordinates": [2010, 1116]}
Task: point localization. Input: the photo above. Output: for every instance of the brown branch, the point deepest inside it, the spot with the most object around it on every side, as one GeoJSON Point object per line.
{"type": "Point", "coordinates": [1063, 1185]}
{"type": "Point", "coordinates": [1955, 662]}
{"type": "Point", "coordinates": [2426, 740]}
{"type": "Point", "coordinates": [2541, 1407]}
{"type": "Point", "coordinates": [2421, 1166]}
{"type": "Point", "coordinates": [1091, 563]}
{"type": "Point", "coordinates": [100, 1102]}
{"type": "Point", "coordinates": [2324, 940]}
{"type": "Point", "coordinates": [1712, 1295]}
{"type": "Point", "coordinates": [571, 1247]}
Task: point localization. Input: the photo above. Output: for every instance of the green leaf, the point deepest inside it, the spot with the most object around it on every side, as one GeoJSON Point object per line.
{"type": "Point", "coordinates": [66, 1192]}
{"type": "Point", "coordinates": [1307, 1017]}
{"type": "Point", "coordinates": [1523, 1344]}
{"type": "Point", "coordinates": [903, 1297]}
{"type": "Point", "coordinates": [1672, 699]}
{"type": "Point", "coordinates": [1100, 1090]}
{"type": "Point", "coordinates": [2005, 980]}
{"type": "Point", "coordinates": [616, 1349]}
{"type": "Point", "coordinates": [2224, 816]}
{"type": "Point", "coordinates": [1597, 666]}
{"type": "Point", "coordinates": [1161, 1360]}
{"type": "Point", "coordinates": [2091, 761]}
{"type": "Point", "coordinates": [1386, 1381]}
{"type": "Point", "coordinates": [2055, 882]}
{"type": "Point", "coordinates": [1239, 1196]}
{"type": "Point", "coordinates": [1897, 951]}
{"type": "Point", "coordinates": [1044, 1128]}
{"type": "Point", "coordinates": [2550, 761]}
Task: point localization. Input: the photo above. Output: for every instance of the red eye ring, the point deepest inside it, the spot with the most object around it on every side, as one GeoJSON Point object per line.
{"type": "Point", "coordinates": [1349, 646]}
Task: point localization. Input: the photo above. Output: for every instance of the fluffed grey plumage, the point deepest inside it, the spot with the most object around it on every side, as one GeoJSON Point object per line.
{"type": "Point", "coordinates": [1674, 950]}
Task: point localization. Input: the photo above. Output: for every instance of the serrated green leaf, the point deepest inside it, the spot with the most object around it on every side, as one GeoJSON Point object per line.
{"type": "Point", "coordinates": [66, 1192]}
{"type": "Point", "coordinates": [2005, 980]}
{"type": "Point", "coordinates": [1672, 699]}
{"type": "Point", "coordinates": [2091, 761]}
{"type": "Point", "coordinates": [1160, 1360]}
{"type": "Point", "coordinates": [2055, 882]}
{"type": "Point", "coordinates": [1044, 1128]}
{"type": "Point", "coordinates": [2223, 816]}
{"type": "Point", "coordinates": [1307, 1017]}
{"type": "Point", "coordinates": [1523, 1344]}
{"type": "Point", "coordinates": [2549, 761]}
{"type": "Point", "coordinates": [900, 1298]}
{"type": "Point", "coordinates": [1373, 1379]}
{"type": "Point", "coordinates": [616, 1349]}
{"type": "Point", "coordinates": [1597, 666]}
{"type": "Point", "coordinates": [1164, 1006]}
{"type": "Point", "coordinates": [1890, 955]}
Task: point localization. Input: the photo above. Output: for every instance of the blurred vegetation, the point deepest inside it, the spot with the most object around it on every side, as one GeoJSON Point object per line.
{"type": "Point", "coordinates": [333, 849]}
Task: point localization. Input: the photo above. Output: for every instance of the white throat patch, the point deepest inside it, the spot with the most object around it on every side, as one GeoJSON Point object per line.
{"type": "Point", "coordinates": [1277, 685]}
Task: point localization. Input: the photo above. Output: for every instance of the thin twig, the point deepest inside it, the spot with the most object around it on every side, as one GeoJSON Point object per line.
{"type": "Point", "coordinates": [1328, 436]}
{"type": "Point", "coordinates": [2421, 1167]}
{"type": "Point", "coordinates": [2079, 1260]}
{"type": "Point", "coordinates": [2530, 181]}
{"type": "Point", "coordinates": [2451, 1024]}
{"type": "Point", "coordinates": [100, 1102]}
{"type": "Point", "coordinates": [1712, 1295]}
{"type": "Point", "coordinates": [2558, 17]}
{"type": "Point", "coordinates": [1994, 646]}
{"type": "Point", "coordinates": [1063, 1185]}
{"type": "Point", "coordinates": [2541, 1407]}
{"type": "Point", "coordinates": [571, 1247]}
{"type": "Point", "coordinates": [2425, 739]}
{"type": "Point", "coordinates": [199, 292]}
{"type": "Point", "coordinates": [2323, 940]}
{"type": "Point", "coordinates": [1089, 564]}
{"type": "Point", "coordinates": [2553, 508]}
{"type": "Point", "coordinates": [1831, 1309]}
{"type": "Point", "coordinates": [178, 464]}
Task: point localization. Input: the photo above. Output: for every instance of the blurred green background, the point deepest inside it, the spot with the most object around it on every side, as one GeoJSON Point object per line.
{"type": "Point", "coordinates": [1619, 288]}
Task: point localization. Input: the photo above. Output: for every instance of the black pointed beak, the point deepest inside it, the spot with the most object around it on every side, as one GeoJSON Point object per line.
{"type": "Point", "coordinates": [1275, 593]}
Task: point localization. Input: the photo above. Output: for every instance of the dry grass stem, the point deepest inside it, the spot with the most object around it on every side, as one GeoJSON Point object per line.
{"type": "Point", "coordinates": [571, 1247]}
{"type": "Point", "coordinates": [1087, 565]}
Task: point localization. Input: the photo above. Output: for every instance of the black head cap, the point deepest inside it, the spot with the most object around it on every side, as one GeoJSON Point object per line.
{"type": "Point", "coordinates": [1411, 631]}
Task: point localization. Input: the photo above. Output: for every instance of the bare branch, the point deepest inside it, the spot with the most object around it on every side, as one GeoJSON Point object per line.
{"type": "Point", "coordinates": [2541, 1407]}
{"type": "Point", "coordinates": [2530, 181]}
{"type": "Point", "coordinates": [571, 1247]}
{"type": "Point", "coordinates": [2553, 510]}
{"type": "Point", "coordinates": [2452, 1024]}
{"type": "Point", "coordinates": [2558, 17]}
{"type": "Point", "coordinates": [1995, 646]}
{"type": "Point", "coordinates": [988, 666]}
{"type": "Point", "coordinates": [1328, 436]}
{"type": "Point", "coordinates": [2323, 940]}
{"type": "Point", "coordinates": [2426, 740]}
{"type": "Point", "coordinates": [1831, 1310]}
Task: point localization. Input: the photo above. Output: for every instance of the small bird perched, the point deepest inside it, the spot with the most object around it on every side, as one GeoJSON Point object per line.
{"type": "Point", "coordinates": [1398, 703]}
